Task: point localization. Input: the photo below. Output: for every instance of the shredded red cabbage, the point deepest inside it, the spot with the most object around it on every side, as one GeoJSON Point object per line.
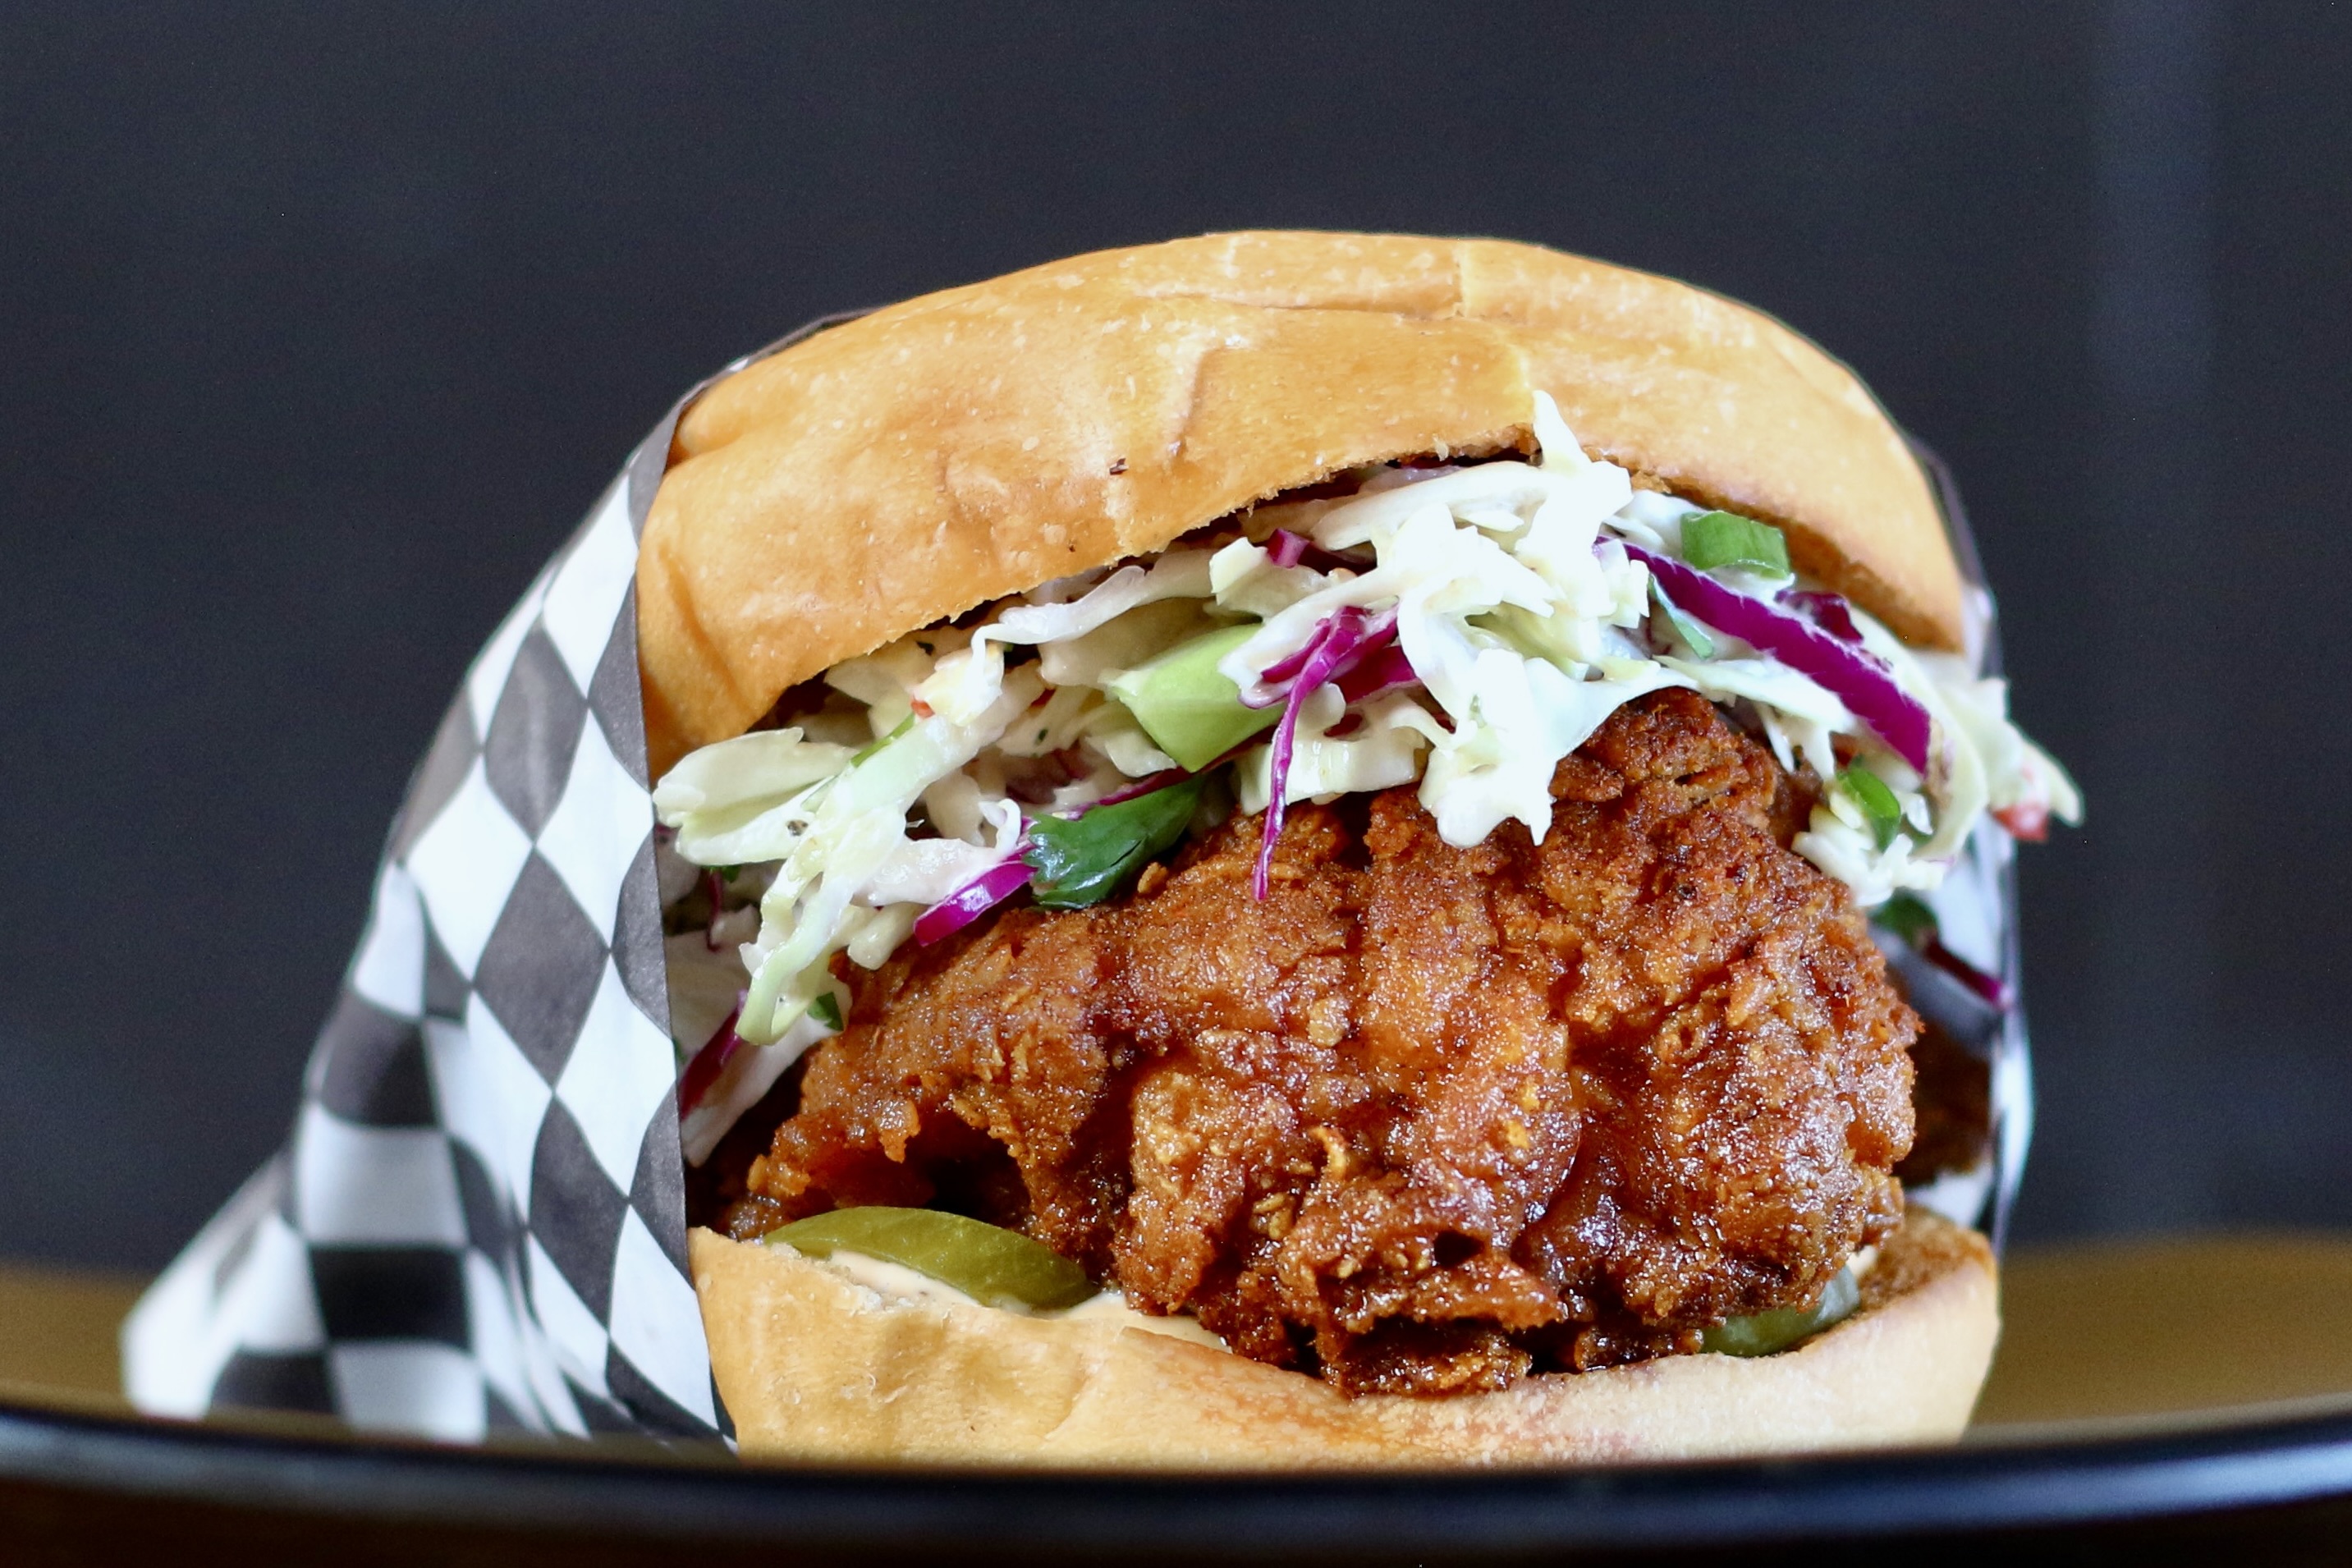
{"type": "Point", "coordinates": [702, 1072]}
{"type": "Point", "coordinates": [1287, 549]}
{"type": "Point", "coordinates": [1272, 681]}
{"type": "Point", "coordinates": [1382, 672]}
{"type": "Point", "coordinates": [973, 900]}
{"type": "Point", "coordinates": [1147, 785]}
{"type": "Point", "coordinates": [1988, 986]}
{"type": "Point", "coordinates": [1151, 783]}
{"type": "Point", "coordinates": [1827, 611]}
{"type": "Point", "coordinates": [1851, 673]}
{"type": "Point", "coordinates": [1343, 641]}
{"type": "Point", "coordinates": [1009, 876]}
{"type": "Point", "coordinates": [1363, 635]}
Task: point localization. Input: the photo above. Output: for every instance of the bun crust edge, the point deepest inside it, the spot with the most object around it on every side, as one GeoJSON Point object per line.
{"type": "Point", "coordinates": [904, 466]}
{"type": "Point", "coordinates": [815, 1368]}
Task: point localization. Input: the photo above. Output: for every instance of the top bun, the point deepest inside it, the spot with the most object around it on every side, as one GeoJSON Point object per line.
{"type": "Point", "coordinates": [904, 466]}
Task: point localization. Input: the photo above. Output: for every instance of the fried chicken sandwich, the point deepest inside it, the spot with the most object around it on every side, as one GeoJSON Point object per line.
{"type": "Point", "coordinates": [1269, 845]}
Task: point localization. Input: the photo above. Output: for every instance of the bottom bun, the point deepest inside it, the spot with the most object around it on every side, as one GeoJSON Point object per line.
{"type": "Point", "coordinates": [814, 1365]}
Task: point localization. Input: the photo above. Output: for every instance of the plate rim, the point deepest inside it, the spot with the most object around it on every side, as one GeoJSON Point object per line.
{"type": "Point", "coordinates": [653, 1495]}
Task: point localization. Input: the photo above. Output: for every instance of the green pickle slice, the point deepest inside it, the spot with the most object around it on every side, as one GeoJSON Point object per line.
{"type": "Point", "coordinates": [988, 1263]}
{"type": "Point", "coordinates": [1768, 1333]}
{"type": "Point", "coordinates": [1185, 703]}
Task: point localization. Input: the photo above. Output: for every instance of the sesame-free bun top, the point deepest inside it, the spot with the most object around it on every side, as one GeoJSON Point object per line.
{"type": "Point", "coordinates": [907, 466]}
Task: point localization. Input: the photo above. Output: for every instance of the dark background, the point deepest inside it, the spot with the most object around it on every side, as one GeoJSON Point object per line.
{"type": "Point", "coordinates": [320, 327]}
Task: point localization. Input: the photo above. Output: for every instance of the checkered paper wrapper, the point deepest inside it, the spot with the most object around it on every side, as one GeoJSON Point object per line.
{"type": "Point", "coordinates": [477, 1225]}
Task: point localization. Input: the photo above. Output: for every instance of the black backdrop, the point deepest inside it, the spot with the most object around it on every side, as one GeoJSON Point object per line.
{"type": "Point", "coordinates": [319, 328]}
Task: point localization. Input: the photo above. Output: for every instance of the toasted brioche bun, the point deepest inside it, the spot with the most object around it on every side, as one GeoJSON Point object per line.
{"type": "Point", "coordinates": [970, 444]}
{"type": "Point", "coordinates": [815, 1367]}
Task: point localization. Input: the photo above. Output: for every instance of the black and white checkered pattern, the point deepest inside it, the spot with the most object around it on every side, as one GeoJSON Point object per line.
{"type": "Point", "coordinates": [479, 1220]}
{"type": "Point", "coordinates": [479, 1223]}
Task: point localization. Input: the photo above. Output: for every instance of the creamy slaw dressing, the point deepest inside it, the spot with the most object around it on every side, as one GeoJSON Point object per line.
{"type": "Point", "coordinates": [1525, 624]}
{"type": "Point", "coordinates": [897, 1284]}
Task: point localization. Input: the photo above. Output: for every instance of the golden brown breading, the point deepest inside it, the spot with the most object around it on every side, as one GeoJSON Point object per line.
{"type": "Point", "coordinates": [1426, 1118]}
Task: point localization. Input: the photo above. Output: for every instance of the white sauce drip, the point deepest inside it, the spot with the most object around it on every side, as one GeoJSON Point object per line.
{"type": "Point", "coordinates": [896, 1282]}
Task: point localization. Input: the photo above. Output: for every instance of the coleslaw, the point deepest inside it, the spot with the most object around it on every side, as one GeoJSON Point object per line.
{"type": "Point", "coordinates": [1466, 626]}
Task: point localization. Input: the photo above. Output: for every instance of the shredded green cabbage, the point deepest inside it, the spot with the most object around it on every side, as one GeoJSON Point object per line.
{"type": "Point", "coordinates": [1526, 623]}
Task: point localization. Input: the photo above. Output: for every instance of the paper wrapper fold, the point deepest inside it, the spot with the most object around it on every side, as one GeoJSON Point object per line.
{"type": "Point", "coordinates": [477, 1223]}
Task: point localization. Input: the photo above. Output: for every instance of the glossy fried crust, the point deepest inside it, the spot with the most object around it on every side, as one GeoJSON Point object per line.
{"type": "Point", "coordinates": [1426, 1119]}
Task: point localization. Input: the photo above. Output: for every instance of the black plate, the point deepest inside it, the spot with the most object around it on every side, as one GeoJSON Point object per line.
{"type": "Point", "coordinates": [93, 1486]}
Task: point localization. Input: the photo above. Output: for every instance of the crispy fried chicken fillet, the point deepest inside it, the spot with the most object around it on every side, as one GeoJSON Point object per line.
{"type": "Point", "coordinates": [1427, 1119]}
